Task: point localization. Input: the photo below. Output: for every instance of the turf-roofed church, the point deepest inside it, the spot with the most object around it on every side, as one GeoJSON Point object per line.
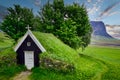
{"type": "Point", "coordinates": [28, 50]}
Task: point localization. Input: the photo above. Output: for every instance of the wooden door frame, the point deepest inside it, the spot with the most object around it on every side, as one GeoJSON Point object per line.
{"type": "Point", "coordinates": [25, 52]}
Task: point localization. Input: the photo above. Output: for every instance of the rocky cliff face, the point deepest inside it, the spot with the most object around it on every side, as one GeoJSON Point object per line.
{"type": "Point", "coordinates": [99, 29]}
{"type": "Point", "coordinates": [101, 37]}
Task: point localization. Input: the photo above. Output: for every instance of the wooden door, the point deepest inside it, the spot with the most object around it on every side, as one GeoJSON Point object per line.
{"type": "Point", "coordinates": [29, 59]}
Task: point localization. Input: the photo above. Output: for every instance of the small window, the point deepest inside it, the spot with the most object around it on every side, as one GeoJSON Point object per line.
{"type": "Point", "coordinates": [28, 43]}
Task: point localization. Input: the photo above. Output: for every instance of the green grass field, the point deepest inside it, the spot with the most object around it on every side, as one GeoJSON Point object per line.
{"type": "Point", "coordinates": [110, 56]}
{"type": "Point", "coordinates": [95, 63]}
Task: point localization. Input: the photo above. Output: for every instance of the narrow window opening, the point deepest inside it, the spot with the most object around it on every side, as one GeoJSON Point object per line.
{"type": "Point", "coordinates": [28, 43]}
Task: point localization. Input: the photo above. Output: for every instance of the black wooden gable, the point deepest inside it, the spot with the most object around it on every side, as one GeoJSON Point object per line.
{"type": "Point", "coordinates": [25, 47]}
{"type": "Point", "coordinates": [28, 43]}
{"type": "Point", "coordinates": [29, 39]}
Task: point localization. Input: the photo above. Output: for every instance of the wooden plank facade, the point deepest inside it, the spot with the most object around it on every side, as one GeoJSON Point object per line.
{"type": "Point", "coordinates": [29, 43]}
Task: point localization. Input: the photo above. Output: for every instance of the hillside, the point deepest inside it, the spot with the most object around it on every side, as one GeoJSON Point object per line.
{"type": "Point", "coordinates": [5, 40]}
{"type": "Point", "coordinates": [8, 67]}
{"type": "Point", "coordinates": [85, 68]}
{"type": "Point", "coordinates": [60, 62]}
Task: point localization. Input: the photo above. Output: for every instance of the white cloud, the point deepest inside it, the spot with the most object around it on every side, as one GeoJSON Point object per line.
{"type": "Point", "coordinates": [37, 2]}
{"type": "Point", "coordinates": [94, 9]}
{"type": "Point", "coordinates": [89, 1]}
{"type": "Point", "coordinates": [108, 11]}
{"type": "Point", "coordinates": [100, 0]}
{"type": "Point", "coordinates": [114, 31]}
{"type": "Point", "coordinates": [113, 13]}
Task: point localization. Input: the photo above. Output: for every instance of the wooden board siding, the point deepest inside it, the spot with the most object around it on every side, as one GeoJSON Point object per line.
{"type": "Point", "coordinates": [24, 47]}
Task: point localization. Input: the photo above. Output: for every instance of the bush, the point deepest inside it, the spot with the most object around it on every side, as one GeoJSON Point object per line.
{"type": "Point", "coordinates": [8, 67]}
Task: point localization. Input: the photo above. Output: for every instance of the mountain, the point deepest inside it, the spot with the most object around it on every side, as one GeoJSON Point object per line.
{"type": "Point", "coordinates": [99, 29]}
{"type": "Point", "coordinates": [100, 35]}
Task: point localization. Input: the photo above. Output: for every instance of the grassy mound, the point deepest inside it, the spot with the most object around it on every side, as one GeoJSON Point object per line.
{"type": "Point", "coordinates": [5, 41]}
{"type": "Point", "coordinates": [8, 67]}
{"type": "Point", "coordinates": [85, 68]}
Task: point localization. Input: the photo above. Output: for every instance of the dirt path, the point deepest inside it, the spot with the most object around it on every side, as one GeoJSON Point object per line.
{"type": "Point", "coordinates": [22, 76]}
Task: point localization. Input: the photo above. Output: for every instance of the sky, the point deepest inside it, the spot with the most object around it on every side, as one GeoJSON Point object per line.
{"type": "Point", "coordinates": [107, 11]}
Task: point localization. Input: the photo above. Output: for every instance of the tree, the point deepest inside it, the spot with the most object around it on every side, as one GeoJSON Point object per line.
{"type": "Point", "coordinates": [68, 34]}
{"type": "Point", "coordinates": [51, 16]}
{"type": "Point", "coordinates": [15, 22]}
{"type": "Point", "coordinates": [37, 24]}
{"type": "Point", "coordinates": [79, 14]}
{"type": "Point", "coordinates": [69, 23]}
